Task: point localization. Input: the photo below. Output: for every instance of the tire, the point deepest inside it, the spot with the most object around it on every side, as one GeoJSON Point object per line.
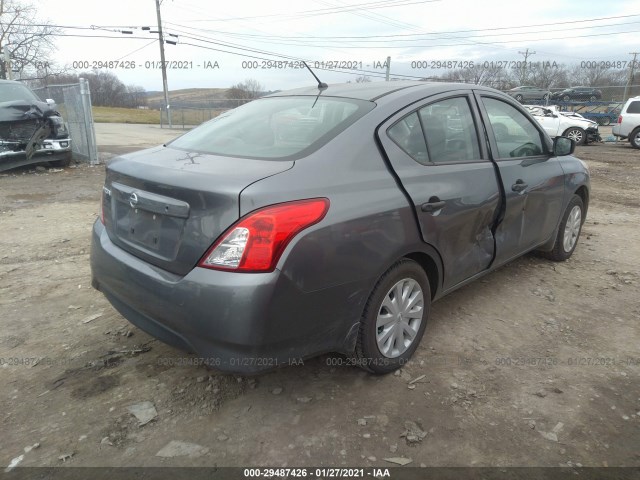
{"type": "Point", "coordinates": [606, 121]}
{"type": "Point", "coordinates": [518, 98]}
{"type": "Point", "coordinates": [569, 231]}
{"type": "Point", "coordinates": [634, 138]}
{"type": "Point", "coordinates": [593, 98]}
{"type": "Point", "coordinates": [577, 134]}
{"type": "Point", "coordinates": [566, 98]}
{"type": "Point", "coordinates": [377, 348]}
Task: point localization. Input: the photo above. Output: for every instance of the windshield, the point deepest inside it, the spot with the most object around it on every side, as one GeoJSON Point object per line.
{"type": "Point", "coordinates": [277, 127]}
{"type": "Point", "coordinates": [10, 92]}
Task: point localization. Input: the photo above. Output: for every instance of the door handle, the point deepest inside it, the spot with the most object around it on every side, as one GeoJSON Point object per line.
{"type": "Point", "coordinates": [432, 206]}
{"type": "Point", "coordinates": [519, 186]}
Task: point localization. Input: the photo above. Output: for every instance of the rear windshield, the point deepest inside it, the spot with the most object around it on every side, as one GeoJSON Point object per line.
{"type": "Point", "coordinates": [277, 127]}
{"type": "Point", "coordinates": [10, 92]}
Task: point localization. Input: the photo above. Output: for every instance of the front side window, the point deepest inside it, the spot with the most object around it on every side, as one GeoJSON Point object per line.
{"type": "Point", "coordinates": [515, 135]}
{"type": "Point", "coordinates": [276, 128]}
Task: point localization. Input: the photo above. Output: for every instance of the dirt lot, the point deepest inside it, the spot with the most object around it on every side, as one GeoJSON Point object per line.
{"type": "Point", "coordinates": [537, 364]}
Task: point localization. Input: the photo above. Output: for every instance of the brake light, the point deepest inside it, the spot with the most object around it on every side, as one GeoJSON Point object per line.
{"type": "Point", "coordinates": [620, 119]}
{"type": "Point", "coordinates": [256, 242]}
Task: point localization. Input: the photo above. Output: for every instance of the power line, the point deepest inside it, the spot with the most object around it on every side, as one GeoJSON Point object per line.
{"type": "Point", "coordinates": [325, 11]}
{"type": "Point", "coordinates": [460, 31]}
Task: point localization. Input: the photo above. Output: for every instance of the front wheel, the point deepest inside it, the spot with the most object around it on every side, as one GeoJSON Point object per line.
{"type": "Point", "coordinates": [634, 138]}
{"type": "Point", "coordinates": [566, 98]}
{"type": "Point", "coordinates": [569, 231]}
{"type": "Point", "coordinates": [576, 134]}
{"type": "Point", "coordinates": [394, 318]}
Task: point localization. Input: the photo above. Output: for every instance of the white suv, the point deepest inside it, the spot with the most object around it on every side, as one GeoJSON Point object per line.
{"type": "Point", "coordinates": [628, 125]}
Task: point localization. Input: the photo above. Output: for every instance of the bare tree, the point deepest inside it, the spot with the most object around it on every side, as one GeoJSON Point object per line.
{"type": "Point", "coordinates": [547, 75]}
{"type": "Point", "coordinates": [28, 40]}
{"type": "Point", "coordinates": [480, 74]}
{"type": "Point", "coordinates": [245, 91]}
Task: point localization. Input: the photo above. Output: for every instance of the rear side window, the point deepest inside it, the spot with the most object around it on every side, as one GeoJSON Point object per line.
{"type": "Point", "coordinates": [514, 133]}
{"type": "Point", "coordinates": [278, 127]}
{"type": "Point", "coordinates": [407, 134]}
{"type": "Point", "coordinates": [450, 131]}
{"type": "Point", "coordinates": [634, 107]}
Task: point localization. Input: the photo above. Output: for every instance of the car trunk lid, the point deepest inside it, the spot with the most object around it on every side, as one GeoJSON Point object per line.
{"type": "Point", "coordinates": [167, 206]}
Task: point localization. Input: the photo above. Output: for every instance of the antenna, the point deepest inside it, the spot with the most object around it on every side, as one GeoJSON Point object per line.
{"type": "Point", "coordinates": [321, 85]}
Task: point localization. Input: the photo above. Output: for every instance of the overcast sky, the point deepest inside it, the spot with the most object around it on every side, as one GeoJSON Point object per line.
{"type": "Point", "coordinates": [363, 33]}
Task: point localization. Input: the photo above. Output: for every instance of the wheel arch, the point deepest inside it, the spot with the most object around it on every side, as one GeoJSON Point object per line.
{"type": "Point", "coordinates": [430, 267]}
{"type": "Point", "coordinates": [583, 193]}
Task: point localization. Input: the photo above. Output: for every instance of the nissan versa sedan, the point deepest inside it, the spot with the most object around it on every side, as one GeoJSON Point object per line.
{"type": "Point", "coordinates": [329, 219]}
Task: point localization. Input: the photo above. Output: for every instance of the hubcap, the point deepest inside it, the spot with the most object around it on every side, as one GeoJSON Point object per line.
{"type": "Point", "coordinates": [575, 135]}
{"type": "Point", "coordinates": [399, 318]}
{"type": "Point", "coordinates": [572, 228]}
{"type": "Point", "coordinates": [636, 139]}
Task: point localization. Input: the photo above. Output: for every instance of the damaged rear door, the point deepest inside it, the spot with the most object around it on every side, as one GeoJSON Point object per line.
{"type": "Point", "coordinates": [434, 149]}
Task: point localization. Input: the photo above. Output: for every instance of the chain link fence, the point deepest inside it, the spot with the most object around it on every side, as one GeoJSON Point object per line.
{"type": "Point", "coordinates": [187, 115]}
{"type": "Point", "coordinates": [73, 101]}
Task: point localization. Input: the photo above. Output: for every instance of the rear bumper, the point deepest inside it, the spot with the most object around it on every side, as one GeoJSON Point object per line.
{"type": "Point", "coordinates": [243, 323]}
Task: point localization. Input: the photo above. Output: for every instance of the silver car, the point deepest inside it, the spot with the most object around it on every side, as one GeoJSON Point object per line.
{"type": "Point", "coordinates": [529, 93]}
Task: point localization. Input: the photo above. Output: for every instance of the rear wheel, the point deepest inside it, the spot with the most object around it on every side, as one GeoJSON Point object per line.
{"type": "Point", "coordinates": [606, 121]}
{"type": "Point", "coordinates": [593, 98]}
{"type": "Point", "coordinates": [394, 318]}
{"type": "Point", "coordinates": [634, 138]}
{"type": "Point", "coordinates": [576, 134]}
{"type": "Point", "coordinates": [566, 98]}
{"type": "Point", "coordinates": [569, 231]}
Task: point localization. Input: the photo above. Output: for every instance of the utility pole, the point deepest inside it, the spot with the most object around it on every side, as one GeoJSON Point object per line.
{"type": "Point", "coordinates": [386, 77]}
{"type": "Point", "coordinates": [163, 65]}
{"type": "Point", "coordinates": [527, 54]}
{"type": "Point", "coordinates": [631, 72]}
{"type": "Point", "coordinates": [7, 63]}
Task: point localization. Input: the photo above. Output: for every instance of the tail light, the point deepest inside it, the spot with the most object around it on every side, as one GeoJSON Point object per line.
{"type": "Point", "coordinates": [620, 119]}
{"type": "Point", "coordinates": [256, 242]}
{"type": "Point", "coordinates": [102, 207]}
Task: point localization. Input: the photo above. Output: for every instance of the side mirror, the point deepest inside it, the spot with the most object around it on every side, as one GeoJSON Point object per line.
{"type": "Point", "coordinates": [563, 146]}
{"type": "Point", "coordinates": [50, 101]}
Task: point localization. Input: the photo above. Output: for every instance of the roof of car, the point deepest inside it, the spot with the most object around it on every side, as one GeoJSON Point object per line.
{"type": "Point", "coordinates": [362, 91]}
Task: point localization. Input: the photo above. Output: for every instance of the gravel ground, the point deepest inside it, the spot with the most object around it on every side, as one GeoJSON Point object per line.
{"type": "Point", "coordinates": [537, 364]}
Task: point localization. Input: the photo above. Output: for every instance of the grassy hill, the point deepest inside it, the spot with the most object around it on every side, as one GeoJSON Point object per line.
{"type": "Point", "coordinates": [189, 97]}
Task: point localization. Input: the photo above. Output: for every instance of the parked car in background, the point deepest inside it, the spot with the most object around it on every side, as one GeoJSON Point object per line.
{"type": "Point", "coordinates": [567, 124]}
{"type": "Point", "coordinates": [628, 124]}
{"type": "Point", "coordinates": [254, 240]}
{"type": "Point", "coordinates": [525, 93]}
{"type": "Point", "coordinates": [31, 131]}
{"type": "Point", "coordinates": [578, 93]}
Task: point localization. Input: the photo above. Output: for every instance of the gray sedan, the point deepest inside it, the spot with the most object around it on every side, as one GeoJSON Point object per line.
{"type": "Point", "coordinates": [525, 93]}
{"type": "Point", "coordinates": [329, 219]}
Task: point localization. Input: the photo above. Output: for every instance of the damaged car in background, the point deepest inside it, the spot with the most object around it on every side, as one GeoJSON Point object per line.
{"type": "Point", "coordinates": [568, 124]}
{"type": "Point", "coordinates": [31, 131]}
